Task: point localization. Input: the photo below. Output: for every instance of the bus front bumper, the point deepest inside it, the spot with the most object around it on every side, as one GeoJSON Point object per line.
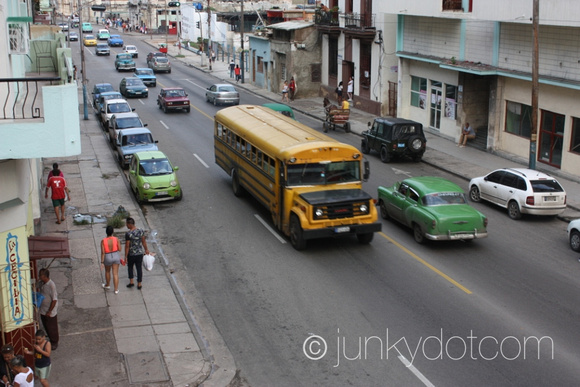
{"type": "Point", "coordinates": [350, 229]}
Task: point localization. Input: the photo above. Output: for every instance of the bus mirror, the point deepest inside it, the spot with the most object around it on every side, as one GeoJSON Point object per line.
{"type": "Point", "coordinates": [367, 170]}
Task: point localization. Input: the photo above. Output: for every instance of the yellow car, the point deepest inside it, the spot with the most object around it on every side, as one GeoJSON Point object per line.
{"type": "Point", "coordinates": [90, 40]}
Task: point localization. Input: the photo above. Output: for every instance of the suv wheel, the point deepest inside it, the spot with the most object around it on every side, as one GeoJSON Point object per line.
{"type": "Point", "coordinates": [385, 156]}
{"type": "Point", "coordinates": [415, 144]}
{"type": "Point", "coordinates": [514, 210]}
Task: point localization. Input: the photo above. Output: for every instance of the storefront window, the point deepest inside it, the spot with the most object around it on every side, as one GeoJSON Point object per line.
{"type": "Point", "coordinates": [575, 138]}
{"type": "Point", "coordinates": [551, 138]}
{"type": "Point", "coordinates": [450, 101]}
{"type": "Point", "coordinates": [418, 92]}
{"type": "Point", "coordinates": [518, 119]}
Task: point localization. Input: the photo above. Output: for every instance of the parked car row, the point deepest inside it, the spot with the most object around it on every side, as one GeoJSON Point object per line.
{"type": "Point", "coordinates": [151, 175]}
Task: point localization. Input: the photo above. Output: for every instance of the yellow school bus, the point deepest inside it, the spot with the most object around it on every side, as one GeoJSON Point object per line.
{"type": "Point", "coordinates": [311, 183]}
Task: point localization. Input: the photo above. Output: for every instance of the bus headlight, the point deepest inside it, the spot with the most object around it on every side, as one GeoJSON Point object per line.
{"type": "Point", "coordinates": [318, 212]}
{"type": "Point", "coordinates": [364, 209]}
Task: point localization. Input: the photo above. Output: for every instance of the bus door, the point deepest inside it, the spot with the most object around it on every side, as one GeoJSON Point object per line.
{"type": "Point", "coordinates": [280, 180]}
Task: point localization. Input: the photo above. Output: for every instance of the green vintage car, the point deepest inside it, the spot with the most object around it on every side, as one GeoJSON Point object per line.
{"type": "Point", "coordinates": [125, 62]}
{"type": "Point", "coordinates": [435, 208]}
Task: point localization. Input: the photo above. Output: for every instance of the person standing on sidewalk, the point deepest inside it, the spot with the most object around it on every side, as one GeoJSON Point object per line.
{"type": "Point", "coordinates": [285, 91]}
{"type": "Point", "coordinates": [237, 71]}
{"type": "Point", "coordinates": [54, 170]}
{"type": "Point", "coordinates": [350, 88]}
{"type": "Point", "coordinates": [49, 306]}
{"type": "Point", "coordinates": [6, 373]}
{"type": "Point", "coordinates": [292, 88]}
{"type": "Point", "coordinates": [24, 375]}
{"type": "Point", "coordinates": [42, 350]}
{"type": "Point", "coordinates": [135, 247]}
{"type": "Point", "coordinates": [59, 191]}
{"type": "Point", "coordinates": [232, 68]}
{"type": "Point", "coordinates": [111, 258]}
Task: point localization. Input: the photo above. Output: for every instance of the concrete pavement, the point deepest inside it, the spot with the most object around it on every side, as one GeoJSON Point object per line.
{"type": "Point", "coordinates": [151, 337]}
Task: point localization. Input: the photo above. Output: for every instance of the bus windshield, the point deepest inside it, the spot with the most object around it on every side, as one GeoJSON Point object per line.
{"type": "Point", "coordinates": [323, 173]}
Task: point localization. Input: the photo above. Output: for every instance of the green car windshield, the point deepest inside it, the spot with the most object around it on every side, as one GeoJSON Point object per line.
{"type": "Point", "coordinates": [323, 173]}
{"type": "Point", "coordinates": [444, 198]}
{"type": "Point", "coordinates": [124, 56]}
{"type": "Point", "coordinates": [155, 167]}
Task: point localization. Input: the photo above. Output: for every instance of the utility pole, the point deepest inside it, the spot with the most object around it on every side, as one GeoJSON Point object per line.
{"type": "Point", "coordinates": [535, 84]}
{"type": "Point", "coordinates": [209, 51]}
{"type": "Point", "coordinates": [242, 36]}
{"type": "Point", "coordinates": [83, 69]}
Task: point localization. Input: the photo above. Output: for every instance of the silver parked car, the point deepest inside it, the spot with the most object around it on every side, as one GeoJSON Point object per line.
{"type": "Point", "coordinates": [220, 94]}
{"type": "Point", "coordinates": [159, 63]}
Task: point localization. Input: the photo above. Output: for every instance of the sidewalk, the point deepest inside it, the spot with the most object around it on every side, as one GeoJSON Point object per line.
{"type": "Point", "coordinates": [150, 337]}
{"type": "Point", "coordinates": [442, 153]}
{"type": "Point", "coordinates": [139, 337]}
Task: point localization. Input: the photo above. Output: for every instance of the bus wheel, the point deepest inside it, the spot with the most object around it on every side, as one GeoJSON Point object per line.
{"type": "Point", "coordinates": [365, 239]}
{"type": "Point", "coordinates": [236, 187]}
{"type": "Point", "coordinates": [296, 237]}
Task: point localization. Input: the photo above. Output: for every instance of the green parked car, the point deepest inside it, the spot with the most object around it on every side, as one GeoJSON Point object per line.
{"type": "Point", "coordinates": [435, 208]}
{"type": "Point", "coordinates": [152, 177]}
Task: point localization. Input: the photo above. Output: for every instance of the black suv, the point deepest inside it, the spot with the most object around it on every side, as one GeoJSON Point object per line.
{"type": "Point", "coordinates": [394, 137]}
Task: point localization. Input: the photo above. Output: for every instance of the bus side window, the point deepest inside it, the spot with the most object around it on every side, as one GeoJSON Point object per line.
{"type": "Point", "coordinates": [238, 143]}
{"type": "Point", "coordinates": [219, 131]}
{"type": "Point", "coordinates": [254, 154]}
{"type": "Point", "coordinates": [243, 142]}
{"type": "Point", "coordinates": [272, 170]}
{"type": "Point", "coordinates": [259, 162]}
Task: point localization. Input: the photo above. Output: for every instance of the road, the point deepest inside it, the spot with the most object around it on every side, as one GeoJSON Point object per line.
{"type": "Point", "coordinates": [339, 313]}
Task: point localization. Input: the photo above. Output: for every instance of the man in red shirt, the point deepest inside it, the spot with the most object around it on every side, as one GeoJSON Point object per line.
{"type": "Point", "coordinates": [57, 184]}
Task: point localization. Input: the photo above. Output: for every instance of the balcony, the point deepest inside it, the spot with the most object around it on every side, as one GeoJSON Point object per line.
{"type": "Point", "coordinates": [327, 22]}
{"type": "Point", "coordinates": [360, 25]}
{"type": "Point", "coordinates": [40, 112]}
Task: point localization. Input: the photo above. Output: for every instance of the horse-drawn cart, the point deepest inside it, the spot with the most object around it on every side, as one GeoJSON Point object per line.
{"type": "Point", "coordinates": [336, 117]}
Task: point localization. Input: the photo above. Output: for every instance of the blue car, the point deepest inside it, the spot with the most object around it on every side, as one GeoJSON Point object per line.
{"type": "Point", "coordinates": [147, 76]}
{"type": "Point", "coordinates": [101, 88]}
{"type": "Point", "coordinates": [115, 41]}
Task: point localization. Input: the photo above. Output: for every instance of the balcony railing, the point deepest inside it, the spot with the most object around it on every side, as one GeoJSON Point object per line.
{"type": "Point", "coordinates": [359, 20]}
{"type": "Point", "coordinates": [22, 97]}
{"type": "Point", "coordinates": [326, 18]}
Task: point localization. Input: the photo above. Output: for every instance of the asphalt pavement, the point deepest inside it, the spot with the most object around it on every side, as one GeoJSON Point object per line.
{"type": "Point", "coordinates": [150, 337]}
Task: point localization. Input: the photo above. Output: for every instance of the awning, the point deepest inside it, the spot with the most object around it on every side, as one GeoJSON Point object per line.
{"type": "Point", "coordinates": [48, 247]}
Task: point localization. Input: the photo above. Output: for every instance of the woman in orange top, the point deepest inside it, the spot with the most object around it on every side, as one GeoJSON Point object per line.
{"type": "Point", "coordinates": [111, 258]}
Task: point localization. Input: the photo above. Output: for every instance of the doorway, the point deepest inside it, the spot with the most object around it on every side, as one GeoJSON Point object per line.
{"type": "Point", "coordinates": [435, 110]}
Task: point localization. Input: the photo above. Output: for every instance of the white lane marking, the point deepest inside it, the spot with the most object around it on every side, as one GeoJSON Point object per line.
{"type": "Point", "coordinates": [270, 229]}
{"type": "Point", "coordinates": [415, 371]}
{"type": "Point", "coordinates": [195, 84]}
{"type": "Point", "coordinates": [163, 123]}
{"type": "Point", "coordinates": [201, 161]}
{"type": "Point", "coordinates": [142, 103]}
{"type": "Point", "coordinates": [401, 172]}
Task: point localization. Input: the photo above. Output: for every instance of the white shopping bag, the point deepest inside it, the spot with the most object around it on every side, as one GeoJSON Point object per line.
{"type": "Point", "coordinates": [148, 260]}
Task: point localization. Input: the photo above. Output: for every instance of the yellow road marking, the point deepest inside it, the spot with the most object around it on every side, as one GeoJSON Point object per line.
{"type": "Point", "coordinates": [415, 256]}
{"type": "Point", "coordinates": [190, 104]}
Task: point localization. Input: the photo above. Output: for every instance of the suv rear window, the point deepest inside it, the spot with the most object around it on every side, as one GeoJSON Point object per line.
{"type": "Point", "coordinates": [546, 186]}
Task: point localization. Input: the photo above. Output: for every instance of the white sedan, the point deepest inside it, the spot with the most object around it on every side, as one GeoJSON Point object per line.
{"type": "Point", "coordinates": [130, 49]}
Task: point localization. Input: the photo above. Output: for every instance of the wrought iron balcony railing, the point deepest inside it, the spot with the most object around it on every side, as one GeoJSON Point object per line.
{"type": "Point", "coordinates": [359, 20]}
{"type": "Point", "coordinates": [22, 97]}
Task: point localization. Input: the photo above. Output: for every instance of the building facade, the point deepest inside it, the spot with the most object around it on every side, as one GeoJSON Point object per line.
{"type": "Point", "coordinates": [471, 61]}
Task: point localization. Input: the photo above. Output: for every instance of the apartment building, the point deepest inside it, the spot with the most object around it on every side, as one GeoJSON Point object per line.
{"type": "Point", "coordinates": [470, 60]}
{"type": "Point", "coordinates": [39, 118]}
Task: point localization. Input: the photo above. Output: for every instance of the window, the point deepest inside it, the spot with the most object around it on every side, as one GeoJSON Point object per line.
{"type": "Point", "coordinates": [518, 119]}
{"type": "Point", "coordinates": [332, 56]}
{"type": "Point", "coordinates": [418, 92]}
{"type": "Point", "coordinates": [450, 101]}
{"type": "Point", "coordinates": [575, 138]}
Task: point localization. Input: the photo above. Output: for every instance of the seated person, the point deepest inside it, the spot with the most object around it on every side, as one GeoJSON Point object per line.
{"type": "Point", "coordinates": [467, 133]}
{"type": "Point", "coordinates": [345, 104]}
